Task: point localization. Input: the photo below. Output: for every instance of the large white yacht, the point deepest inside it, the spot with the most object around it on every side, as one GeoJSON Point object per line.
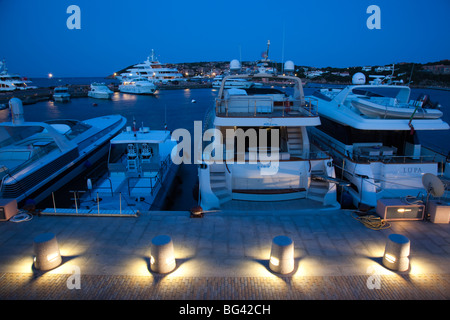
{"type": "Point", "coordinates": [374, 146]}
{"type": "Point", "coordinates": [153, 70]}
{"type": "Point", "coordinates": [37, 158]}
{"type": "Point", "coordinates": [273, 159]}
{"type": "Point", "coordinates": [11, 82]}
{"type": "Point", "coordinates": [232, 83]}
{"type": "Point", "coordinates": [140, 172]}
{"type": "Point", "coordinates": [138, 86]}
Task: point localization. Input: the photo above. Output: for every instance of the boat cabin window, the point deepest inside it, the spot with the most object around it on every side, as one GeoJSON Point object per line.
{"type": "Point", "coordinates": [350, 136]}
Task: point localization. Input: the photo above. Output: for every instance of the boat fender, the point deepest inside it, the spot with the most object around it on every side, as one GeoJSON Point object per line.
{"type": "Point", "coordinates": [89, 184]}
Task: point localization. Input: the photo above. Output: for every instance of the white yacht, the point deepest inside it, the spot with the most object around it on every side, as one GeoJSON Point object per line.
{"type": "Point", "coordinates": [61, 94]}
{"type": "Point", "coordinates": [379, 154]}
{"type": "Point", "coordinates": [140, 172]}
{"type": "Point", "coordinates": [37, 158]}
{"type": "Point", "coordinates": [138, 86]}
{"type": "Point", "coordinates": [100, 91]}
{"type": "Point", "coordinates": [11, 82]}
{"type": "Point", "coordinates": [273, 159]}
{"type": "Point", "coordinates": [153, 70]}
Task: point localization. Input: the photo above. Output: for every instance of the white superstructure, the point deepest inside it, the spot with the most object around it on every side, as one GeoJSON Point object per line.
{"type": "Point", "coordinates": [139, 175]}
{"type": "Point", "coordinates": [153, 70]}
{"type": "Point", "coordinates": [138, 86]}
{"type": "Point", "coordinates": [11, 82]}
{"type": "Point", "coordinates": [379, 154]}
{"type": "Point", "coordinates": [272, 159]}
{"type": "Point", "coordinates": [61, 94]}
{"type": "Point", "coordinates": [100, 91]}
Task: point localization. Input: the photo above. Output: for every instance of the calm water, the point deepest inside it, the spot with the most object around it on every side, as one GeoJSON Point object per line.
{"type": "Point", "coordinates": [177, 109]}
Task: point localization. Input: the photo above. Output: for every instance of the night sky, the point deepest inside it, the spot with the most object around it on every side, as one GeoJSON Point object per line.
{"type": "Point", "coordinates": [35, 39]}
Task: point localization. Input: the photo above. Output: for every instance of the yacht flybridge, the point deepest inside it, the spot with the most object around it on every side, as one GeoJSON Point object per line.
{"type": "Point", "coordinates": [269, 156]}
{"type": "Point", "coordinates": [37, 158]}
{"type": "Point", "coordinates": [371, 132]}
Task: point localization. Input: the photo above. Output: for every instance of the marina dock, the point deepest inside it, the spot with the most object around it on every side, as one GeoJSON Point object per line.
{"type": "Point", "coordinates": [31, 96]}
{"type": "Point", "coordinates": [224, 256]}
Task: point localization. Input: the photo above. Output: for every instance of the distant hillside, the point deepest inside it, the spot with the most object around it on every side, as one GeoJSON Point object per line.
{"type": "Point", "coordinates": [428, 74]}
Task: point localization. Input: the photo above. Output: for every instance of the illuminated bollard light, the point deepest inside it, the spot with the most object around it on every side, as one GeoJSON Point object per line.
{"type": "Point", "coordinates": [46, 252]}
{"type": "Point", "coordinates": [396, 254]}
{"type": "Point", "coordinates": [282, 255]}
{"type": "Point", "coordinates": [162, 259]}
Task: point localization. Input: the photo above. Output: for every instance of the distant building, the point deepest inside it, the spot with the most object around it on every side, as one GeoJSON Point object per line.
{"type": "Point", "coordinates": [437, 69]}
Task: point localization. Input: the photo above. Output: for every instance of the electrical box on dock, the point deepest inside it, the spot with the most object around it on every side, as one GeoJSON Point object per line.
{"type": "Point", "coordinates": [398, 209]}
{"type": "Point", "coordinates": [8, 209]}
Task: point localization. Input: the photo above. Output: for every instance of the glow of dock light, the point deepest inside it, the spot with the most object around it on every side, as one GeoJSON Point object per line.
{"type": "Point", "coordinates": [50, 75]}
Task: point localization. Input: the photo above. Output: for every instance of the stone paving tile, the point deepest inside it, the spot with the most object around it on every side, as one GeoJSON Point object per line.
{"type": "Point", "coordinates": [107, 287]}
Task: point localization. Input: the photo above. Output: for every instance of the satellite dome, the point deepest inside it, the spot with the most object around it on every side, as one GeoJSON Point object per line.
{"type": "Point", "coordinates": [235, 64]}
{"type": "Point", "coordinates": [289, 66]}
{"type": "Point", "coordinates": [359, 78]}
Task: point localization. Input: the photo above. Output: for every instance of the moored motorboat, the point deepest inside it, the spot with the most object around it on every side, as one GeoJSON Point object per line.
{"type": "Point", "coordinates": [38, 158]}
{"type": "Point", "coordinates": [100, 91]}
{"type": "Point", "coordinates": [273, 160]}
{"type": "Point", "coordinates": [138, 86]}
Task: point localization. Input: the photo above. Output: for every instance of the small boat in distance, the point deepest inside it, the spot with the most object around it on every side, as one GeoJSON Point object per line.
{"type": "Point", "coordinates": [138, 86]}
{"type": "Point", "coordinates": [140, 172]}
{"type": "Point", "coordinates": [61, 94]}
{"type": "Point", "coordinates": [100, 91]}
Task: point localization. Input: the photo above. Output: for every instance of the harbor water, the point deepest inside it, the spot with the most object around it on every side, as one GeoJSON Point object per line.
{"type": "Point", "coordinates": [176, 109]}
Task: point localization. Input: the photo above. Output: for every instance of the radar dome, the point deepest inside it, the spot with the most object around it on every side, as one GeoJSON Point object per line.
{"type": "Point", "coordinates": [359, 78]}
{"type": "Point", "coordinates": [289, 66]}
{"type": "Point", "coordinates": [235, 64]}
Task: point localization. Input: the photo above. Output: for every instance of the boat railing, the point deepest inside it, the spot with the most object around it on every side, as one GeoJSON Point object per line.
{"type": "Point", "coordinates": [154, 180]}
{"type": "Point", "coordinates": [431, 156]}
{"type": "Point", "coordinates": [266, 106]}
{"type": "Point", "coordinates": [42, 152]}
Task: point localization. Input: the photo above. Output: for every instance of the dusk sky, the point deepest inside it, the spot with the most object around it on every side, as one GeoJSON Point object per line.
{"type": "Point", "coordinates": [36, 41]}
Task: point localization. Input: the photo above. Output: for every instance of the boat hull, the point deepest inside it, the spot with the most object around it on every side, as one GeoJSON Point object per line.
{"type": "Point", "coordinates": [40, 183]}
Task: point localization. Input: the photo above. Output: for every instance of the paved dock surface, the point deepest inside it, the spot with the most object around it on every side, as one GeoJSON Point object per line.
{"type": "Point", "coordinates": [223, 256]}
